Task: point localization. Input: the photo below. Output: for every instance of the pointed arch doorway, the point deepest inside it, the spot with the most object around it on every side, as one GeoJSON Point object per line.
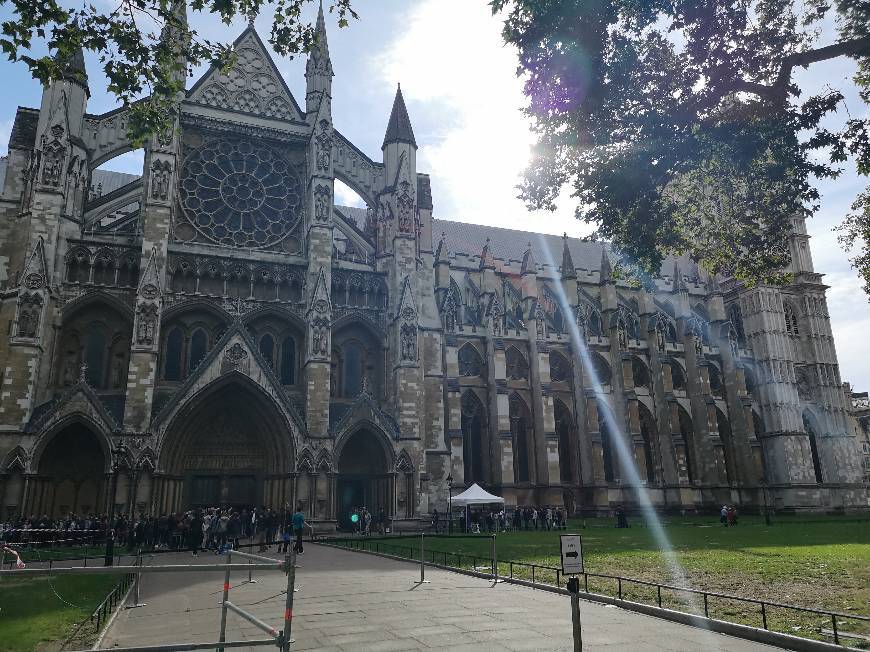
{"type": "Point", "coordinates": [364, 476]}
{"type": "Point", "coordinates": [230, 448]}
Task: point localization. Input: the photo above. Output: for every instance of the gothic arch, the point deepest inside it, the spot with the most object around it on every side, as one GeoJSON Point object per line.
{"type": "Point", "coordinates": [523, 433]}
{"type": "Point", "coordinates": [565, 431]}
{"type": "Point", "coordinates": [190, 305]}
{"type": "Point", "coordinates": [470, 361]}
{"type": "Point", "coordinates": [274, 430]}
{"type": "Point", "coordinates": [475, 442]}
{"type": "Point", "coordinates": [811, 427]}
{"type": "Point", "coordinates": [15, 458]}
{"type": "Point", "coordinates": [96, 297]}
{"type": "Point", "coordinates": [378, 435]}
{"type": "Point", "coordinates": [62, 425]}
{"type": "Point", "coordinates": [271, 311]}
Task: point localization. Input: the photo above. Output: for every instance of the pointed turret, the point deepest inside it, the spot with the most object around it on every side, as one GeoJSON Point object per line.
{"type": "Point", "coordinates": [486, 260]}
{"type": "Point", "coordinates": [568, 270]}
{"type": "Point", "coordinates": [74, 69]}
{"type": "Point", "coordinates": [442, 264]}
{"type": "Point", "coordinates": [174, 33]}
{"type": "Point", "coordinates": [318, 70]}
{"type": "Point", "coordinates": [606, 270]}
{"type": "Point", "coordinates": [530, 265]}
{"type": "Point", "coordinates": [679, 282]}
{"type": "Point", "coordinates": [399, 128]}
{"type": "Point", "coordinates": [442, 253]}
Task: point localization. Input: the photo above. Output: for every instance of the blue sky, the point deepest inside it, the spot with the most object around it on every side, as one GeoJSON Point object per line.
{"type": "Point", "coordinates": [464, 100]}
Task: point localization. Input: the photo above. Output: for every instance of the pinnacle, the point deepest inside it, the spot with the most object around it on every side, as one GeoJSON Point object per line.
{"type": "Point", "coordinates": [399, 128]}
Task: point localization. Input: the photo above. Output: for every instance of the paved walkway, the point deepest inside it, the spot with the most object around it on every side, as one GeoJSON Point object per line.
{"type": "Point", "coordinates": [352, 601]}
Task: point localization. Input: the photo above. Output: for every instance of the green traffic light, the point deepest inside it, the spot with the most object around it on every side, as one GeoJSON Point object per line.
{"type": "Point", "coordinates": [354, 518]}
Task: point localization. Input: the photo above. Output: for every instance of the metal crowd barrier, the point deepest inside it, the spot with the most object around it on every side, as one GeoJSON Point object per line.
{"type": "Point", "coordinates": [552, 576]}
{"type": "Point", "coordinates": [277, 637]}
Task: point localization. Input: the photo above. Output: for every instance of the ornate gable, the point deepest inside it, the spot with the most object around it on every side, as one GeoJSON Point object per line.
{"type": "Point", "coordinates": [252, 85]}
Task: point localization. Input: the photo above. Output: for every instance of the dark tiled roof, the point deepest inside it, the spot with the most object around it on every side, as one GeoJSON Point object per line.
{"type": "Point", "coordinates": [399, 128]}
{"type": "Point", "coordinates": [24, 129]}
{"type": "Point", "coordinates": [111, 181]}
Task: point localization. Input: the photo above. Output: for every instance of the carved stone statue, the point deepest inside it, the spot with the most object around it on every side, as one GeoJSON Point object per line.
{"type": "Point", "coordinates": [321, 204]}
{"type": "Point", "coordinates": [660, 338]}
{"type": "Point", "coordinates": [408, 337]}
{"type": "Point", "coordinates": [319, 337]}
{"type": "Point", "coordinates": [161, 172]}
{"type": "Point", "coordinates": [146, 326]}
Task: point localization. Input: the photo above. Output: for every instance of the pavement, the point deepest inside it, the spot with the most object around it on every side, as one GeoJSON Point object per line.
{"type": "Point", "coordinates": [353, 601]}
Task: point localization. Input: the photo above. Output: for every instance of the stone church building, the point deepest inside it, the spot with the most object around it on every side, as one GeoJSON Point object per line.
{"type": "Point", "coordinates": [217, 331]}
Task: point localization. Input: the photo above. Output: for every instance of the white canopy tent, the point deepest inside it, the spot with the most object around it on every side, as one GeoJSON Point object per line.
{"type": "Point", "coordinates": [475, 495]}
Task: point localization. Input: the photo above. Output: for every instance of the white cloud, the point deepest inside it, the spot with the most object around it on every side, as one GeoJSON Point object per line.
{"type": "Point", "coordinates": [5, 132]}
{"type": "Point", "coordinates": [454, 66]}
{"type": "Point", "coordinates": [346, 196]}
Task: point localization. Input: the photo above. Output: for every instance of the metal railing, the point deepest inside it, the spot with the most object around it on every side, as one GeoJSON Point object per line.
{"type": "Point", "coordinates": [104, 610]}
{"type": "Point", "coordinates": [552, 576]}
{"type": "Point", "coordinates": [277, 637]}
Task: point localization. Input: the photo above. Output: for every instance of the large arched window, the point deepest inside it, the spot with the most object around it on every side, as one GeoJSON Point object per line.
{"type": "Point", "coordinates": [267, 349]}
{"type": "Point", "coordinates": [814, 448]}
{"type": "Point", "coordinates": [678, 376]}
{"type": "Point", "coordinates": [724, 428]}
{"type": "Point", "coordinates": [472, 423]}
{"type": "Point", "coordinates": [520, 431]}
{"type": "Point", "coordinates": [95, 355]}
{"type": "Point", "coordinates": [564, 430]}
{"type": "Point", "coordinates": [639, 372]}
{"type": "Point", "coordinates": [351, 369]}
{"type": "Point", "coordinates": [288, 361]}
{"type": "Point", "coordinates": [558, 321]}
{"type": "Point", "coordinates": [792, 327]}
{"type": "Point", "coordinates": [560, 368]}
{"type": "Point", "coordinates": [716, 386]}
{"type": "Point", "coordinates": [606, 443]}
{"type": "Point", "coordinates": [470, 361]}
{"type": "Point", "coordinates": [517, 367]}
{"type": "Point", "coordinates": [687, 432]}
{"type": "Point", "coordinates": [198, 349]}
{"type": "Point", "coordinates": [174, 343]}
{"type": "Point", "coordinates": [600, 370]}
{"type": "Point", "coordinates": [649, 434]}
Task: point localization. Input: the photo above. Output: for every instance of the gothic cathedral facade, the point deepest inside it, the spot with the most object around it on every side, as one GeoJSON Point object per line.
{"type": "Point", "coordinates": [217, 331]}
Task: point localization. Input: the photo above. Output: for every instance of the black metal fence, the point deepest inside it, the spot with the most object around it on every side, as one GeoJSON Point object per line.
{"type": "Point", "coordinates": [678, 598]}
{"type": "Point", "coordinates": [91, 626]}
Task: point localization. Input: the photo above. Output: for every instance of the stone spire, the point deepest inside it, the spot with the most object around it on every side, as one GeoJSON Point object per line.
{"type": "Point", "coordinates": [399, 127]}
{"type": "Point", "coordinates": [568, 270]}
{"type": "Point", "coordinates": [606, 270]}
{"type": "Point", "coordinates": [442, 253]}
{"type": "Point", "coordinates": [679, 282]}
{"type": "Point", "coordinates": [486, 260]}
{"type": "Point", "coordinates": [318, 69]}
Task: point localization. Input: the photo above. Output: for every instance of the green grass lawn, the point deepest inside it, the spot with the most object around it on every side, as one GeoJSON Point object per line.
{"type": "Point", "coordinates": [811, 562]}
{"type": "Point", "coordinates": [32, 616]}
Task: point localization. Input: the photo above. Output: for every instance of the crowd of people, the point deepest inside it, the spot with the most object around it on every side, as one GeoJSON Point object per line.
{"type": "Point", "coordinates": [521, 518]}
{"type": "Point", "coordinates": [213, 529]}
{"type": "Point", "coordinates": [728, 515]}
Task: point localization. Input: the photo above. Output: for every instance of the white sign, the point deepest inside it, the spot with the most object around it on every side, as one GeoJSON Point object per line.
{"type": "Point", "coordinates": [572, 554]}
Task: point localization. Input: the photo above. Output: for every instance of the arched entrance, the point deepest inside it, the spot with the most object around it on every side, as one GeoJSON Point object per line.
{"type": "Point", "coordinates": [231, 448]}
{"type": "Point", "coordinates": [71, 475]}
{"type": "Point", "coordinates": [364, 478]}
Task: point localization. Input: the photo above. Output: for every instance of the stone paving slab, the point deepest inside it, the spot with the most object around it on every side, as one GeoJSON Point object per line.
{"type": "Point", "coordinates": [352, 601]}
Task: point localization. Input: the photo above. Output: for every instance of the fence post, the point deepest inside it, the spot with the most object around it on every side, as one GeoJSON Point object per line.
{"type": "Point", "coordinates": [423, 579]}
{"type": "Point", "coordinates": [763, 616]}
{"type": "Point", "coordinates": [494, 561]}
{"type": "Point", "coordinates": [706, 610]}
{"type": "Point", "coordinates": [659, 592]}
{"type": "Point", "coordinates": [138, 579]}
{"type": "Point", "coordinates": [836, 634]}
{"type": "Point", "coordinates": [226, 595]}
{"type": "Point", "coordinates": [251, 580]}
{"type": "Point", "coordinates": [290, 562]}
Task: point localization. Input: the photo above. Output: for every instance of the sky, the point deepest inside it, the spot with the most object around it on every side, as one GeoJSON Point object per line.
{"type": "Point", "coordinates": [464, 99]}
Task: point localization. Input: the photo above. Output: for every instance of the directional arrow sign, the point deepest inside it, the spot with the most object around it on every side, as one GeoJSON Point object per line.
{"type": "Point", "coordinates": [572, 554]}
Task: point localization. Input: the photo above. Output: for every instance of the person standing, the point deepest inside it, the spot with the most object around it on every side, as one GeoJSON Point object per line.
{"type": "Point", "coordinates": [298, 521]}
{"type": "Point", "coordinates": [194, 533]}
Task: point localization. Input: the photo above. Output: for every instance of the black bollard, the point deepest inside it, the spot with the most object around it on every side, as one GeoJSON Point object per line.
{"type": "Point", "coordinates": [109, 559]}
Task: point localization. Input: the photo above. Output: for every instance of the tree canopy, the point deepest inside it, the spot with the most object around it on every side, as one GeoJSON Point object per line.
{"type": "Point", "coordinates": [146, 47]}
{"type": "Point", "coordinates": [680, 128]}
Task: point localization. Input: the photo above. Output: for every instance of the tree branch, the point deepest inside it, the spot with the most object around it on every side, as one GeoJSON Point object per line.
{"type": "Point", "coordinates": [779, 89]}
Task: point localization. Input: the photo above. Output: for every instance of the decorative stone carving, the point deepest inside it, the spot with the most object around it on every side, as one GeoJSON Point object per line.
{"type": "Point", "coordinates": [29, 315]}
{"type": "Point", "coordinates": [34, 281]}
{"type": "Point", "coordinates": [470, 362]}
{"type": "Point", "coordinates": [161, 173]}
{"type": "Point", "coordinates": [320, 328]}
{"type": "Point", "coordinates": [409, 343]}
{"type": "Point", "coordinates": [450, 311]}
{"type": "Point", "coordinates": [405, 203]}
{"type": "Point", "coordinates": [322, 204]}
{"type": "Point", "coordinates": [660, 337]}
{"type": "Point", "coordinates": [146, 324]}
{"type": "Point", "coordinates": [53, 156]}
{"type": "Point", "coordinates": [540, 322]}
{"type": "Point", "coordinates": [324, 146]}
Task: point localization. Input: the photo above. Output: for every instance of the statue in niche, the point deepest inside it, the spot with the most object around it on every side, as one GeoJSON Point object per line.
{"type": "Point", "coordinates": [69, 369]}
{"type": "Point", "coordinates": [52, 162]}
{"type": "Point", "coordinates": [147, 325]}
{"type": "Point", "coordinates": [118, 371]}
{"type": "Point", "coordinates": [450, 313]}
{"type": "Point", "coordinates": [321, 204]}
{"type": "Point", "coordinates": [660, 338]}
{"type": "Point", "coordinates": [699, 344]}
{"type": "Point", "coordinates": [319, 337]}
{"type": "Point", "coordinates": [408, 338]}
{"type": "Point", "coordinates": [160, 173]}
{"type": "Point", "coordinates": [622, 334]}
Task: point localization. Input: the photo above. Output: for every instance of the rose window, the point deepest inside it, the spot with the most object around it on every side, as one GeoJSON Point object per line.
{"type": "Point", "coordinates": [240, 193]}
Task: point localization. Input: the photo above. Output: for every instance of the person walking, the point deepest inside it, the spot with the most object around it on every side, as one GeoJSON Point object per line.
{"type": "Point", "coordinates": [298, 521]}
{"type": "Point", "coordinates": [194, 533]}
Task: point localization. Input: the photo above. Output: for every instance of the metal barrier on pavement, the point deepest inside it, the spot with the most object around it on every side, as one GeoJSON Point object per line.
{"type": "Point", "coordinates": [277, 637]}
